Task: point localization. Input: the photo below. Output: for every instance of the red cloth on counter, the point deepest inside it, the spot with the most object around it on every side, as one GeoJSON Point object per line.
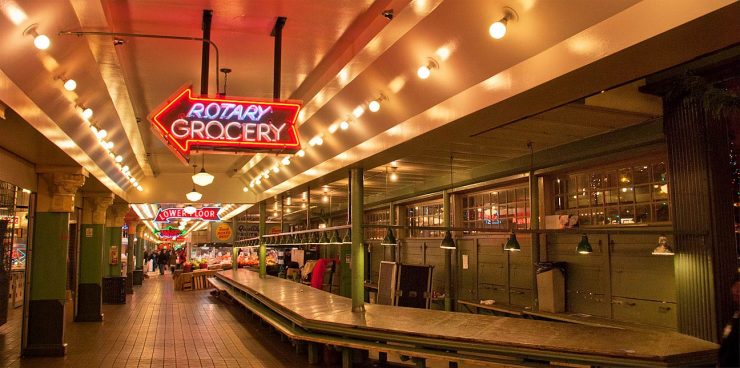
{"type": "Point", "coordinates": [317, 275]}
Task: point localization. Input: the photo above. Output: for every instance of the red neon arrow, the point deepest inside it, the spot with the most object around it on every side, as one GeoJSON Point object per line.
{"type": "Point", "coordinates": [221, 116]}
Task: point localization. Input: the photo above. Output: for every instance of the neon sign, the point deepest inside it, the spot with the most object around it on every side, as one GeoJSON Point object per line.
{"type": "Point", "coordinates": [169, 233]}
{"type": "Point", "coordinates": [203, 214]}
{"type": "Point", "coordinates": [226, 124]}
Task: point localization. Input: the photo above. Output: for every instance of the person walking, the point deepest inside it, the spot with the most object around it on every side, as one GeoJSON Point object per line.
{"type": "Point", "coordinates": [162, 260]}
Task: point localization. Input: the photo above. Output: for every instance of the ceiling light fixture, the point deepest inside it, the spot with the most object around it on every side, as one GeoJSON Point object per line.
{"type": "Point", "coordinates": [285, 161]}
{"type": "Point", "coordinates": [425, 71]}
{"type": "Point", "coordinates": [69, 84]}
{"type": "Point", "coordinates": [119, 158]}
{"type": "Point", "coordinates": [87, 113]}
{"type": "Point", "coordinates": [41, 41]}
{"type": "Point", "coordinates": [344, 125]}
{"type": "Point", "coordinates": [394, 175]}
{"type": "Point", "coordinates": [276, 169]}
{"type": "Point", "coordinates": [245, 189]}
{"type": "Point", "coordinates": [374, 105]}
{"type": "Point", "coordinates": [512, 245]}
{"type": "Point", "coordinates": [498, 28]}
{"type": "Point", "coordinates": [202, 178]}
{"type": "Point", "coordinates": [140, 188]}
{"type": "Point", "coordinates": [193, 196]}
{"type": "Point", "coordinates": [300, 153]}
{"type": "Point", "coordinates": [109, 145]}
{"type": "Point", "coordinates": [584, 247]}
{"type": "Point", "coordinates": [101, 133]}
{"type": "Point", "coordinates": [333, 128]}
{"type": "Point", "coordinates": [189, 210]}
{"type": "Point", "coordinates": [316, 141]}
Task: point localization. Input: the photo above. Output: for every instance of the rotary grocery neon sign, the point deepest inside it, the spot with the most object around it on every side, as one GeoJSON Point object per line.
{"type": "Point", "coordinates": [227, 124]}
{"type": "Point", "coordinates": [169, 233]}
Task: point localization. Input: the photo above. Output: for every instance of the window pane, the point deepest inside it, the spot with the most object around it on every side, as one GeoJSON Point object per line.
{"type": "Point", "coordinates": [642, 193]}
{"type": "Point", "coordinates": [660, 192]}
{"type": "Point", "coordinates": [625, 178]}
{"type": "Point", "coordinates": [612, 196]}
{"type": "Point", "coordinates": [612, 215]}
{"type": "Point", "coordinates": [661, 211]}
{"type": "Point", "coordinates": [626, 195]}
{"type": "Point", "coordinates": [659, 172]}
{"type": "Point", "coordinates": [641, 174]}
{"type": "Point", "coordinates": [626, 215]}
{"type": "Point", "coordinates": [642, 213]}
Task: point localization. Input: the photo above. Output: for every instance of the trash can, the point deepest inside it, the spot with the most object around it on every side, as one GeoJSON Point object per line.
{"type": "Point", "coordinates": [114, 290]}
{"type": "Point", "coordinates": [138, 277]}
{"type": "Point", "coordinates": [551, 286]}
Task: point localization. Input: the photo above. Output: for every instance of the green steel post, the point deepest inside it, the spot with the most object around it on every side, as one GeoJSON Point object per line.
{"type": "Point", "coordinates": [534, 224]}
{"type": "Point", "coordinates": [263, 247]}
{"type": "Point", "coordinates": [446, 208]}
{"type": "Point", "coordinates": [139, 247]}
{"type": "Point", "coordinates": [89, 290]}
{"type": "Point", "coordinates": [358, 255]}
{"type": "Point", "coordinates": [390, 254]}
{"type": "Point", "coordinates": [113, 235]}
{"type": "Point", "coordinates": [234, 256]}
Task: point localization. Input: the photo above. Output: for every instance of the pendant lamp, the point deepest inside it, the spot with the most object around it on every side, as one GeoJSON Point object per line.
{"type": "Point", "coordinates": [584, 247]}
{"type": "Point", "coordinates": [663, 248]}
{"type": "Point", "coordinates": [512, 244]}
{"type": "Point", "coordinates": [447, 241]}
{"type": "Point", "coordinates": [335, 238]}
{"type": "Point", "coordinates": [194, 196]}
{"type": "Point", "coordinates": [390, 238]}
{"type": "Point", "coordinates": [203, 178]}
{"type": "Point", "coordinates": [347, 237]}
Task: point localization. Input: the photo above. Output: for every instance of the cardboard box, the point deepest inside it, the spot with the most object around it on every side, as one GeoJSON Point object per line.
{"type": "Point", "coordinates": [551, 291]}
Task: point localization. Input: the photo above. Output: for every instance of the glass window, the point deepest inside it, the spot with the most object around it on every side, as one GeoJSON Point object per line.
{"type": "Point", "coordinates": [498, 208]}
{"type": "Point", "coordinates": [425, 214]}
{"type": "Point", "coordinates": [635, 193]}
{"type": "Point", "coordinates": [376, 217]}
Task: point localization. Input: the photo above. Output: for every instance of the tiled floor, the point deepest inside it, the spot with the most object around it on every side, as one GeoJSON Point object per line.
{"type": "Point", "coordinates": [158, 327]}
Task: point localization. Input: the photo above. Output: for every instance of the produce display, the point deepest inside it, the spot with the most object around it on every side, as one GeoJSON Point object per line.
{"type": "Point", "coordinates": [249, 257]}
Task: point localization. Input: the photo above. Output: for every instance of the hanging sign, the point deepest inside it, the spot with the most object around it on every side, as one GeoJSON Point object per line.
{"type": "Point", "coordinates": [169, 233]}
{"type": "Point", "coordinates": [203, 214]}
{"type": "Point", "coordinates": [228, 124]}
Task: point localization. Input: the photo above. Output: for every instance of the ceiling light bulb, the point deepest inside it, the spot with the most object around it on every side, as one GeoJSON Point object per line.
{"type": "Point", "coordinates": [194, 196]}
{"type": "Point", "coordinates": [102, 133]}
{"type": "Point", "coordinates": [70, 85]}
{"type": "Point", "coordinates": [125, 168]}
{"type": "Point", "coordinates": [245, 189]}
{"type": "Point", "coordinates": [374, 106]}
{"type": "Point", "coordinates": [300, 153]}
{"type": "Point", "coordinates": [394, 177]}
{"type": "Point", "coordinates": [42, 42]}
{"type": "Point", "coordinates": [87, 113]}
{"type": "Point", "coordinates": [276, 169]}
{"type": "Point", "coordinates": [132, 179]}
{"type": "Point", "coordinates": [325, 198]}
{"type": "Point", "coordinates": [344, 125]}
{"type": "Point", "coordinates": [333, 128]}
{"type": "Point", "coordinates": [423, 72]}
{"type": "Point", "coordinates": [394, 163]}
{"type": "Point", "coordinates": [251, 184]}
{"type": "Point", "coordinates": [119, 158]}
{"type": "Point", "coordinates": [303, 206]}
{"type": "Point", "coordinates": [203, 178]}
{"type": "Point", "coordinates": [94, 129]}
{"type": "Point", "coordinates": [258, 182]}
{"type": "Point", "coordinates": [109, 145]}
{"type": "Point", "coordinates": [285, 161]}
{"type": "Point", "coordinates": [140, 188]}
{"type": "Point", "coordinates": [358, 111]}
{"type": "Point", "coordinates": [498, 29]}
{"type": "Point", "coordinates": [288, 210]}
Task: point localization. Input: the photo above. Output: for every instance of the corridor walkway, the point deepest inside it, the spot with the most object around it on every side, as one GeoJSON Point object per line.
{"type": "Point", "coordinates": [158, 327]}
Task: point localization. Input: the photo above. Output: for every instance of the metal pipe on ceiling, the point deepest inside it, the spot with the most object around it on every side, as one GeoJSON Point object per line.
{"type": "Point", "coordinates": [206, 53]}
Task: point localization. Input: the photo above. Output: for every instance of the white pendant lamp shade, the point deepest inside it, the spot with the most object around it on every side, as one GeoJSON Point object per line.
{"type": "Point", "coordinates": [194, 196]}
{"type": "Point", "coordinates": [202, 178]}
{"type": "Point", "coordinates": [189, 209]}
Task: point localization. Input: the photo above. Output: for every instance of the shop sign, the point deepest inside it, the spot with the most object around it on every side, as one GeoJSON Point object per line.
{"type": "Point", "coordinates": [113, 255]}
{"type": "Point", "coordinates": [203, 214]}
{"type": "Point", "coordinates": [231, 124]}
{"type": "Point", "coordinates": [169, 233]}
{"type": "Point", "coordinates": [224, 232]}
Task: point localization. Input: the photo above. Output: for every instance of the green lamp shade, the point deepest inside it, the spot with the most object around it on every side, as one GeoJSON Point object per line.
{"type": "Point", "coordinates": [313, 238]}
{"type": "Point", "coordinates": [390, 238]}
{"type": "Point", "coordinates": [512, 245]}
{"type": "Point", "coordinates": [324, 239]}
{"type": "Point", "coordinates": [335, 238]}
{"type": "Point", "coordinates": [584, 247]}
{"type": "Point", "coordinates": [347, 237]}
{"type": "Point", "coordinates": [448, 242]}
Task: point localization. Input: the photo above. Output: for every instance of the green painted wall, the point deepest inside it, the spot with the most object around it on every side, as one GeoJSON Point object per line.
{"type": "Point", "coordinates": [91, 251]}
{"type": "Point", "coordinates": [113, 235]}
{"type": "Point", "coordinates": [49, 256]}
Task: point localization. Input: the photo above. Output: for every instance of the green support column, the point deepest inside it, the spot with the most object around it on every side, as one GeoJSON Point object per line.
{"type": "Point", "coordinates": [358, 248]}
{"type": "Point", "coordinates": [534, 224]}
{"type": "Point", "coordinates": [47, 266]}
{"type": "Point", "coordinates": [263, 247]}
{"type": "Point", "coordinates": [234, 256]}
{"type": "Point", "coordinates": [447, 209]}
{"type": "Point", "coordinates": [89, 291]}
{"type": "Point", "coordinates": [131, 221]}
{"type": "Point", "coordinates": [139, 247]}
{"type": "Point", "coordinates": [112, 251]}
